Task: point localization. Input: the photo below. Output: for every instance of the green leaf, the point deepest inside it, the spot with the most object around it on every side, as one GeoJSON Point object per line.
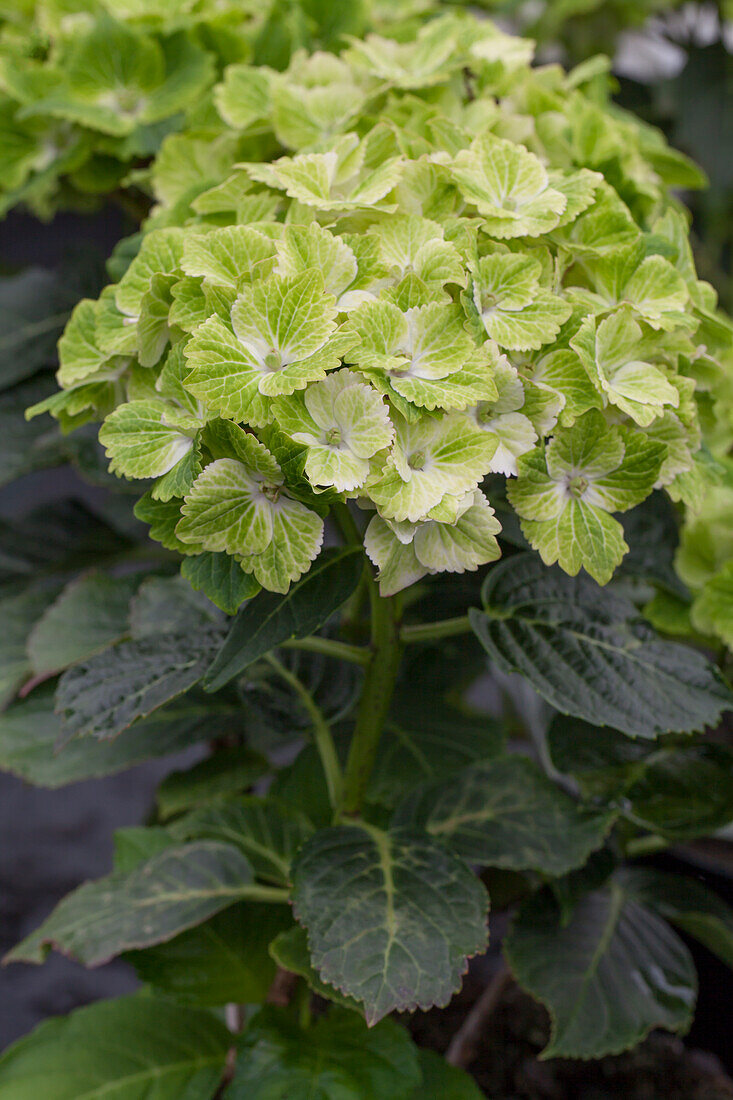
{"type": "Point", "coordinates": [34, 306]}
{"type": "Point", "coordinates": [30, 733]}
{"type": "Point", "coordinates": [271, 619]}
{"type": "Point", "coordinates": [684, 793]}
{"type": "Point", "coordinates": [136, 844]}
{"type": "Point", "coordinates": [176, 889]}
{"type": "Point", "coordinates": [129, 1049]}
{"type": "Point", "coordinates": [602, 760]}
{"type": "Point", "coordinates": [585, 651]}
{"type": "Point", "coordinates": [712, 611]}
{"type": "Point", "coordinates": [336, 1058]}
{"type": "Point", "coordinates": [19, 614]}
{"type": "Point", "coordinates": [426, 739]}
{"type": "Point", "coordinates": [290, 951]}
{"type": "Point", "coordinates": [223, 960]}
{"type": "Point", "coordinates": [221, 578]}
{"type": "Point", "coordinates": [27, 445]}
{"type": "Point", "coordinates": [221, 775]}
{"type": "Point", "coordinates": [168, 605]}
{"type": "Point", "coordinates": [391, 916]}
{"type": "Point", "coordinates": [506, 813]}
{"type": "Point", "coordinates": [231, 256]}
{"type": "Point", "coordinates": [90, 614]}
{"type": "Point", "coordinates": [441, 1081]}
{"type": "Point", "coordinates": [104, 695]}
{"type": "Point", "coordinates": [687, 903]}
{"type": "Point", "coordinates": [609, 975]}
{"type": "Point", "coordinates": [267, 830]}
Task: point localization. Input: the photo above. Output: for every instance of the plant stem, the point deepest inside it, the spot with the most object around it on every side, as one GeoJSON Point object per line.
{"type": "Point", "coordinates": [379, 682]}
{"type": "Point", "coordinates": [343, 651]}
{"type": "Point", "coordinates": [646, 845]}
{"type": "Point", "coordinates": [275, 894]}
{"type": "Point", "coordinates": [428, 632]}
{"type": "Point", "coordinates": [321, 731]}
{"type": "Point", "coordinates": [462, 1049]}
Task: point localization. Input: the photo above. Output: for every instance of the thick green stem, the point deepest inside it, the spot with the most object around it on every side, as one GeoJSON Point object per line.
{"type": "Point", "coordinates": [321, 731]}
{"type": "Point", "coordinates": [356, 654]}
{"type": "Point", "coordinates": [428, 632]}
{"type": "Point", "coordinates": [271, 894]}
{"type": "Point", "coordinates": [379, 682]}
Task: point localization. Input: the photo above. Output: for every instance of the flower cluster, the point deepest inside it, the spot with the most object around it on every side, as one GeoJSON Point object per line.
{"type": "Point", "coordinates": [435, 263]}
{"type": "Point", "coordinates": [89, 89]}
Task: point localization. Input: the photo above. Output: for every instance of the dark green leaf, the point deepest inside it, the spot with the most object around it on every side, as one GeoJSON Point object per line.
{"type": "Point", "coordinates": [56, 538]}
{"type": "Point", "coordinates": [89, 615]}
{"type": "Point", "coordinates": [136, 844]}
{"type": "Point", "coordinates": [680, 790]}
{"type": "Point", "coordinates": [104, 695]}
{"type": "Point", "coordinates": [687, 903]}
{"type": "Point", "coordinates": [275, 712]}
{"type": "Point", "coordinates": [583, 648]}
{"type": "Point", "coordinates": [271, 619]}
{"type": "Point", "coordinates": [167, 605]}
{"type": "Point", "coordinates": [337, 1058]}
{"type": "Point", "coordinates": [290, 951]}
{"type": "Point", "coordinates": [33, 312]}
{"type": "Point", "coordinates": [685, 793]}
{"type": "Point", "coordinates": [223, 960]}
{"type": "Point", "coordinates": [178, 888]}
{"type": "Point", "coordinates": [162, 517]}
{"type": "Point", "coordinates": [507, 813]}
{"type": "Point", "coordinates": [28, 445]}
{"type": "Point", "coordinates": [441, 1081]}
{"type": "Point", "coordinates": [601, 759]}
{"type": "Point", "coordinates": [651, 531]}
{"type": "Point", "coordinates": [391, 916]}
{"type": "Point", "coordinates": [608, 976]}
{"type": "Point", "coordinates": [30, 732]}
{"type": "Point", "coordinates": [225, 773]}
{"type": "Point", "coordinates": [132, 1048]}
{"type": "Point", "coordinates": [221, 578]}
{"type": "Point", "coordinates": [303, 786]}
{"type": "Point", "coordinates": [426, 741]}
{"type": "Point", "coordinates": [267, 830]}
{"type": "Point", "coordinates": [18, 615]}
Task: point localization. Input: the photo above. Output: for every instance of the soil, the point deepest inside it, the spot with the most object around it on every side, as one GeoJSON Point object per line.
{"type": "Point", "coordinates": [507, 1067]}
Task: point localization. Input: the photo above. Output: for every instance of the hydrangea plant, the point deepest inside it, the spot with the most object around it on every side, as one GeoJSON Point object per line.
{"type": "Point", "coordinates": [448, 315]}
{"type": "Point", "coordinates": [88, 90]}
{"type": "Point", "coordinates": [434, 283]}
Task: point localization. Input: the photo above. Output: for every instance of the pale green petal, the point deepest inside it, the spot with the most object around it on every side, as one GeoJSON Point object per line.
{"type": "Point", "coordinates": [224, 375]}
{"type": "Point", "coordinates": [462, 546]}
{"type": "Point", "coordinates": [146, 438]}
{"type": "Point", "coordinates": [396, 561]}
{"type": "Point", "coordinates": [244, 95]}
{"type": "Point", "coordinates": [656, 288]}
{"type": "Point", "coordinates": [581, 537]}
{"type": "Point", "coordinates": [528, 328]}
{"type": "Point", "coordinates": [160, 254]}
{"type": "Point", "coordinates": [231, 256]}
{"type": "Point", "coordinates": [430, 459]}
{"type": "Point", "coordinates": [152, 327]}
{"type": "Point", "coordinates": [289, 317]}
{"type": "Point", "coordinates": [509, 186]}
{"type": "Point", "coordinates": [297, 536]}
{"type": "Point", "coordinates": [306, 247]}
{"type": "Point", "coordinates": [79, 352]}
{"type": "Point", "coordinates": [227, 510]}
